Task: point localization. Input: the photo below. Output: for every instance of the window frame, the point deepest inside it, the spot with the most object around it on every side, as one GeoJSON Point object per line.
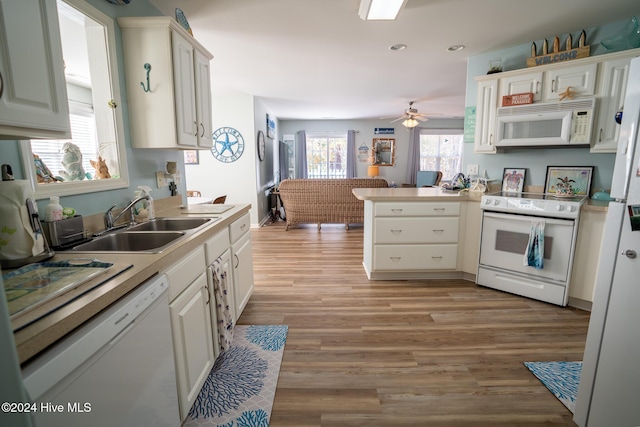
{"type": "Point", "coordinates": [442, 132]}
{"type": "Point", "coordinates": [42, 191]}
{"type": "Point", "coordinates": [328, 136]}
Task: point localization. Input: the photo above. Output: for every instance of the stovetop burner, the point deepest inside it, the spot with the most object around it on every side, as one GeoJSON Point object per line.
{"type": "Point", "coordinates": [538, 204]}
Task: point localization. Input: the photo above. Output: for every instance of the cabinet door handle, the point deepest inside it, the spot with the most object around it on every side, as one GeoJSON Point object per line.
{"type": "Point", "coordinates": [536, 85]}
{"type": "Point", "coordinates": [202, 126]}
{"type": "Point", "coordinates": [600, 136]}
{"type": "Point", "coordinates": [237, 261]}
{"type": "Point", "coordinates": [196, 123]}
{"type": "Point", "coordinates": [208, 294]}
{"type": "Point", "coordinates": [553, 85]}
{"type": "Point", "coordinates": [1, 85]}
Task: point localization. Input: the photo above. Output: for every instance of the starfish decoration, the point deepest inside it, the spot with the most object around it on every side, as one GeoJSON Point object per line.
{"type": "Point", "coordinates": [568, 94]}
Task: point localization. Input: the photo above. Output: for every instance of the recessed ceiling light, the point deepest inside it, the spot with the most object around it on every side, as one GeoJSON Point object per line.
{"type": "Point", "coordinates": [456, 47]}
{"type": "Point", "coordinates": [399, 46]}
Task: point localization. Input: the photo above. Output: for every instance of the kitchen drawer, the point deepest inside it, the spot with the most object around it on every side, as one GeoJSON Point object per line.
{"type": "Point", "coordinates": [417, 209]}
{"type": "Point", "coordinates": [414, 257]}
{"type": "Point", "coordinates": [185, 271]}
{"type": "Point", "coordinates": [416, 230]}
{"type": "Point", "coordinates": [216, 246]}
{"type": "Point", "coordinates": [239, 227]}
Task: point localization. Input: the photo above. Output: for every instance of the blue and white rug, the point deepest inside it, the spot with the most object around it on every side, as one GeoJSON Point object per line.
{"type": "Point", "coordinates": [240, 388]}
{"type": "Point", "coordinates": [561, 378]}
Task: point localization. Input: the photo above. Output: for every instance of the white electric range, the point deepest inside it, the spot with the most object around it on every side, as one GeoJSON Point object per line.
{"type": "Point", "coordinates": [509, 220]}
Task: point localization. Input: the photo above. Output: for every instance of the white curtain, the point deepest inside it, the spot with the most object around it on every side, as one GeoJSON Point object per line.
{"type": "Point", "coordinates": [301, 154]}
{"type": "Point", "coordinates": [413, 163]}
{"type": "Point", "coordinates": [351, 154]}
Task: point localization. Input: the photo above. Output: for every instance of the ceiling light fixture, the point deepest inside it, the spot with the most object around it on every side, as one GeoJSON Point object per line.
{"type": "Point", "coordinates": [456, 47]}
{"type": "Point", "coordinates": [410, 122]}
{"type": "Point", "coordinates": [399, 46]}
{"type": "Point", "coordinates": [374, 10]}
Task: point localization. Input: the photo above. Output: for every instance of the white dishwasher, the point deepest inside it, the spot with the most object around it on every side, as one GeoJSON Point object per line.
{"type": "Point", "coordinates": [116, 370]}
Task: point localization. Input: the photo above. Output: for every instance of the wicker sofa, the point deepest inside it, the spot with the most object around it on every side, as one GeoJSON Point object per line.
{"type": "Point", "coordinates": [324, 201]}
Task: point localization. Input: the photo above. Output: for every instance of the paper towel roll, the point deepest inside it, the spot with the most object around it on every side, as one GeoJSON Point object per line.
{"type": "Point", "coordinates": [17, 238]}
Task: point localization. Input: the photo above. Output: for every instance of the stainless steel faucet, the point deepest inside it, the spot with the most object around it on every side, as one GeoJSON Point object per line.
{"type": "Point", "coordinates": [109, 220]}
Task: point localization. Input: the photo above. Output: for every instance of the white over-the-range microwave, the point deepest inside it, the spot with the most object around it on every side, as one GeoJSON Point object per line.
{"type": "Point", "coordinates": [563, 123]}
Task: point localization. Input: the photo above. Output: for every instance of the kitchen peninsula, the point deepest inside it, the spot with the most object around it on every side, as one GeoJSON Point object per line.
{"type": "Point", "coordinates": [430, 233]}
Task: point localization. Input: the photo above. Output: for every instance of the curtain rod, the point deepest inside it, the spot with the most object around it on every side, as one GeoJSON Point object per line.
{"type": "Point", "coordinates": [330, 131]}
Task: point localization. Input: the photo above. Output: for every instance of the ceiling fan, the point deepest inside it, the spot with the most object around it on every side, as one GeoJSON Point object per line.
{"type": "Point", "coordinates": [411, 118]}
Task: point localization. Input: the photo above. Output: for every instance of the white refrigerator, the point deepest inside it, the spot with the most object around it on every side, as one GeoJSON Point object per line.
{"type": "Point", "coordinates": [609, 390]}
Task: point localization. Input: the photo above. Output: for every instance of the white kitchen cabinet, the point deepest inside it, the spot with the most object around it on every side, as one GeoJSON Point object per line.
{"type": "Point", "coordinates": [242, 258]}
{"type": "Point", "coordinates": [189, 307]}
{"type": "Point", "coordinates": [581, 79]}
{"type": "Point", "coordinates": [531, 82]}
{"type": "Point", "coordinates": [175, 112]}
{"type": "Point", "coordinates": [410, 238]}
{"type": "Point", "coordinates": [33, 94]}
{"type": "Point", "coordinates": [612, 86]}
{"type": "Point", "coordinates": [485, 136]}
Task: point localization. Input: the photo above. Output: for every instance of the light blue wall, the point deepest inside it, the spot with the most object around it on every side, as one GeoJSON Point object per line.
{"type": "Point", "coordinates": [537, 160]}
{"type": "Point", "coordinates": [142, 163]}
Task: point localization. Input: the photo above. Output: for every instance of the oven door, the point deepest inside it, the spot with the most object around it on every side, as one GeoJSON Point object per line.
{"type": "Point", "coordinates": [504, 243]}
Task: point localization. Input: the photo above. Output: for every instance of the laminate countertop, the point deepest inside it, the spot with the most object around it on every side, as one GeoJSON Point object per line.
{"type": "Point", "coordinates": [37, 329]}
{"type": "Point", "coordinates": [437, 194]}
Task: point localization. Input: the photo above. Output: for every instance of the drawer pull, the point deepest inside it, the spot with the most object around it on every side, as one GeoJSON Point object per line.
{"type": "Point", "coordinates": [397, 210]}
{"type": "Point", "coordinates": [438, 209]}
{"type": "Point", "coordinates": [395, 258]}
{"type": "Point", "coordinates": [436, 257]}
{"type": "Point", "coordinates": [396, 231]}
{"type": "Point", "coordinates": [438, 231]}
{"type": "Point", "coordinates": [243, 226]}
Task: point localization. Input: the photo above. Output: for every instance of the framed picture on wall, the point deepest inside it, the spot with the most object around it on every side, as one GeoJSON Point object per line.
{"type": "Point", "coordinates": [513, 180]}
{"type": "Point", "coordinates": [191, 157]}
{"type": "Point", "coordinates": [271, 128]}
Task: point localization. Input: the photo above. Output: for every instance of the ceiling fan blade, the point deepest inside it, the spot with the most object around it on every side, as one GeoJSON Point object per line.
{"type": "Point", "coordinates": [420, 118]}
{"type": "Point", "coordinates": [399, 118]}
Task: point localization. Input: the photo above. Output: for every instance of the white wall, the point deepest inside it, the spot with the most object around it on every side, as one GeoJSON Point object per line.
{"type": "Point", "coordinates": [237, 179]}
{"type": "Point", "coordinates": [365, 134]}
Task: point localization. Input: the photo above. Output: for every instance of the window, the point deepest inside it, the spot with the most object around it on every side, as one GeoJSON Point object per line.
{"type": "Point", "coordinates": [441, 150]}
{"type": "Point", "coordinates": [95, 115]}
{"type": "Point", "coordinates": [326, 155]}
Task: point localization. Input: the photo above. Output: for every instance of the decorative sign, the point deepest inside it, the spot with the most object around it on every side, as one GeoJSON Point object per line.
{"type": "Point", "coordinates": [517, 99]}
{"type": "Point", "coordinates": [556, 55]}
{"type": "Point", "coordinates": [469, 124]}
{"type": "Point", "coordinates": [228, 144]}
{"type": "Point", "coordinates": [363, 153]}
{"type": "Point", "coordinates": [384, 131]}
{"type": "Point", "coordinates": [271, 128]}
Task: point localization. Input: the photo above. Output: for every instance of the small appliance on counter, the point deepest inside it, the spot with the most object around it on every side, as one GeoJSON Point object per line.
{"type": "Point", "coordinates": [21, 239]}
{"type": "Point", "coordinates": [65, 233]}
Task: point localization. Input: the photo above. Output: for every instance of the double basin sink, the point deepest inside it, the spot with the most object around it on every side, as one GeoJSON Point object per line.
{"type": "Point", "coordinates": [153, 236]}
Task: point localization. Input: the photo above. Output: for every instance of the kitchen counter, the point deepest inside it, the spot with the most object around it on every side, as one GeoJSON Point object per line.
{"type": "Point", "coordinates": [36, 330]}
{"type": "Point", "coordinates": [437, 194]}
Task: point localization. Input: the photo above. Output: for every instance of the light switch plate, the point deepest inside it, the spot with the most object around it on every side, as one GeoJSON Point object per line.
{"type": "Point", "coordinates": [472, 170]}
{"type": "Point", "coordinates": [161, 180]}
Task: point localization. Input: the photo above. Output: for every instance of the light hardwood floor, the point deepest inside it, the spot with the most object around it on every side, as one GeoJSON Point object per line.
{"type": "Point", "coordinates": [401, 353]}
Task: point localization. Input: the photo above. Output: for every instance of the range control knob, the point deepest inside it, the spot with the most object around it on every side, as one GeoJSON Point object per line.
{"type": "Point", "coordinates": [496, 202]}
{"type": "Point", "coordinates": [572, 208]}
{"type": "Point", "coordinates": [487, 201]}
{"type": "Point", "coordinates": [560, 208]}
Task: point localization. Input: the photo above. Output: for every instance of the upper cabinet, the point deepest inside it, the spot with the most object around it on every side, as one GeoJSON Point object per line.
{"type": "Point", "coordinates": [581, 79]}
{"type": "Point", "coordinates": [168, 84]}
{"type": "Point", "coordinates": [33, 96]}
{"type": "Point", "coordinates": [603, 77]}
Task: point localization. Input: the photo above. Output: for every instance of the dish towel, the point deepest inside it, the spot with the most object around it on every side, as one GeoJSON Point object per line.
{"type": "Point", "coordinates": [223, 312]}
{"type": "Point", "coordinates": [534, 255]}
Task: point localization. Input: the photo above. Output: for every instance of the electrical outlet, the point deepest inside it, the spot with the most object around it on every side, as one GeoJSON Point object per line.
{"type": "Point", "coordinates": [161, 180]}
{"type": "Point", "coordinates": [472, 170]}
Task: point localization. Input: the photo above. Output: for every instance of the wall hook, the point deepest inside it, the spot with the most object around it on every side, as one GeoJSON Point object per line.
{"type": "Point", "coordinates": [147, 67]}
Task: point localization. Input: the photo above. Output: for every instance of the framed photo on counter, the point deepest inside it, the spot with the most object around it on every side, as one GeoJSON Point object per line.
{"type": "Point", "coordinates": [513, 180]}
{"type": "Point", "coordinates": [191, 157]}
{"type": "Point", "coordinates": [578, 177]}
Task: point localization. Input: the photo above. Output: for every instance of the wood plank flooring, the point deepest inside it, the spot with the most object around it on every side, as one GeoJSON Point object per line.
{"type": "Point", "coordinates": [401, 353]}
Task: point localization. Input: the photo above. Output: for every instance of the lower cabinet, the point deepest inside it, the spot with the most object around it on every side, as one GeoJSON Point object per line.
{"type": "Point", "coordinates": [242, 258]}
{"type": "Point", "coordinates": [191, 327]}
{"type": "Point", "coordinates": [404, 239]}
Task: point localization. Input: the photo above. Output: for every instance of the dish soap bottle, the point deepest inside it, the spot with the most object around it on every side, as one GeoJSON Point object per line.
{"type": "Point", "coordinates": [147, 211]}
{"type": "Point", "coordinates": [53, 211]}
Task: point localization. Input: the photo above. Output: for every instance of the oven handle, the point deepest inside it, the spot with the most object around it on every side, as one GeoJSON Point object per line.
{"type": "Point", "coordinates": [523, 218]}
